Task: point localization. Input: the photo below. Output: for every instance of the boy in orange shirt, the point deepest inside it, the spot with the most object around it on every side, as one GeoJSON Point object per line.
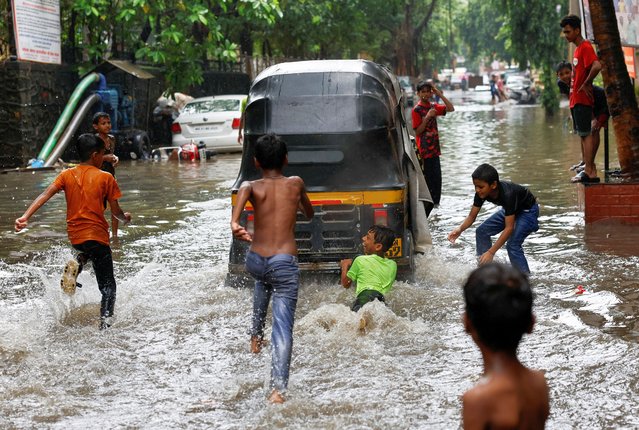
{"type": "Point", "coordinates": [86, 187]}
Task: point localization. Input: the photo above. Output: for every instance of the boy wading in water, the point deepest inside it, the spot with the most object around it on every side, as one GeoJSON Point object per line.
{"type": "Point", "coordinates": [272, 257]}
{"type": "Point", "coordinates": [498, 313]}
{"type": "Point", "coordinates": [424, 118]}
{"type": "Point", "coordinates": [373, 273]}
{"type": "Point", "coordinates": [515, 221]}
{"type": "Point", "coordinates": [102, 127]}
{"type": "Point", "coordinates": [86, 187]}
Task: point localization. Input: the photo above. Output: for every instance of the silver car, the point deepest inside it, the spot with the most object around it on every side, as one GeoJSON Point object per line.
{"type": "Point", "coordinates": [407, 89]}
{"type": "Point", "coordinates": [214, 121]}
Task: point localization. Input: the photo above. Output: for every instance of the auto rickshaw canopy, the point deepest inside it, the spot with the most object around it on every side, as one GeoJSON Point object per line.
{"type": "Point", "coordinates": [339, 118]}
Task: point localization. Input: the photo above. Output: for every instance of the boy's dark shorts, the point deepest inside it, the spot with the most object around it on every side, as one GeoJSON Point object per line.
{"type": "Point", "coordinates": [582, 119]}
{"type": "Point", "coordinates": [365, 297]}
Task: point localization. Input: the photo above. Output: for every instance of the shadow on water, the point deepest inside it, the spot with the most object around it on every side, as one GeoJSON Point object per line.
{"type": "Point", "coordinates": [177, 354]}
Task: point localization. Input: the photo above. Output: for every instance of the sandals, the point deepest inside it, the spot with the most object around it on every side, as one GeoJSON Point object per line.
{"type": "Point", "coordinates": [69, 276]}
{"type": "Point", "coordinates": [584, 178]}
{"type": "Point", "coordinates": [576, 167]}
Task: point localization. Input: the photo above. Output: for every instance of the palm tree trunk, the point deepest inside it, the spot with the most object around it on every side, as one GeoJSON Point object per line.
{"type": "Point", "coordinates": [619, 92]}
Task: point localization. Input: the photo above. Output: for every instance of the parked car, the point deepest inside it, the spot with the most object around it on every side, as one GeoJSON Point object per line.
{"type": "Point", "coordinates": [407, 89]}
{"type": "Point", "coordinates": [343, 122]}
{"type": "Point", "coordinates": [214, 121]}
{"type": "Point", "coordinates": [517, 82]}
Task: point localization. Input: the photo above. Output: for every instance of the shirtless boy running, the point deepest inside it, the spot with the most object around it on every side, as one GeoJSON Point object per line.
{"type": "Point", "coordinates": [272, 257]}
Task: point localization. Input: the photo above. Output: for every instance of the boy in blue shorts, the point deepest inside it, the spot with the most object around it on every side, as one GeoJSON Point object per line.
{"type": "Point", "coordinates": [515, 220]}
{"type": "Point", "coordinates": [373, 273]}
{"type": "Point", "coordinates": [599, 110]}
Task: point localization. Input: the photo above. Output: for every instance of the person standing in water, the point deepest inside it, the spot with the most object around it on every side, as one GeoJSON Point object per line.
{"type": "Point", "coordinates": [102, 127]}
{"type": "Point", "coordinates": [498, 313]}
{"type": "Point", "coordinates": [424, 118]}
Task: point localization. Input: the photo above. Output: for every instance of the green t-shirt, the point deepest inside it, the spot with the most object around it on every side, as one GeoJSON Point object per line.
{"type": "Point", "coordinates": [372, 272]}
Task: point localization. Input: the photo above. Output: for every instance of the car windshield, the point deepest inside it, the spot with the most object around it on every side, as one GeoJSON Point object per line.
{"type": "Point", "coordinates": [215, 105]}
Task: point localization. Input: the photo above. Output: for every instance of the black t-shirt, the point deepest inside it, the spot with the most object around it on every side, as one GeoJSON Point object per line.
{"type": "Point", "coordinates": [598, 93]}
{"type": "Point", "coordinates": [513, 197]}
{"type": "Point", "coordinates": [601, 104]}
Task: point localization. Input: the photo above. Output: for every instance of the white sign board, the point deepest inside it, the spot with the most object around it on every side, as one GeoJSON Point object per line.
{"type": "Point", "coordinates": [36, 25]}
{"type": "Point", "coordinates": [627, 12]}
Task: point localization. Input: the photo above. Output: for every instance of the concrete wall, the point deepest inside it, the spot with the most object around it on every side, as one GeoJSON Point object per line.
{"type": "Point", "coordinates": [610, 202]}
{"type": "Point", "coordinates": [32, 97]}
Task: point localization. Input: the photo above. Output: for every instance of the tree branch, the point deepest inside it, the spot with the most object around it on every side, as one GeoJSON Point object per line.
{"type": "Point", "coordinates": [419, 28]}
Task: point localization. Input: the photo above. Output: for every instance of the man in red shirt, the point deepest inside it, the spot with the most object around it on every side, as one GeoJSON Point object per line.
{"type": "Point", "coordinates": [424, 118]}
{"type": "Point", "coordinates": [585, 68]}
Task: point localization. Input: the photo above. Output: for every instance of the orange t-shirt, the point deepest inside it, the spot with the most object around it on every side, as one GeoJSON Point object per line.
{"type": "Point", "coordinates": [86, 188]}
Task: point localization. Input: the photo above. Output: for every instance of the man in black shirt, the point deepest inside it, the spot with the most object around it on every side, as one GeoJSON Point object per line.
{"type": "Point", "coordinates": [515, 220]}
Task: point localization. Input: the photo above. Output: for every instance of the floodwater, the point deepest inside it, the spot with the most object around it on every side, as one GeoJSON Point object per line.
{"type": "Point", "coordinates": [177, 355]}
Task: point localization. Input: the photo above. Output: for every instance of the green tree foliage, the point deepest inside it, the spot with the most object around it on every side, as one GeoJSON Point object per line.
{"type": "Point", "coordinates": [318, 29]}
{"type": "Point", "coordinates": [404, 34]}
{"type": "Point", "coordinates": [182, 34]}
{"type": "Point", "coordinates": [485, 31]}
{"type": "Point", "coordinates": [536, 40]}
{"type": "Point", "coordinates": [525, 31]}
{"type": "Point", "coordinates": [4, 31]}
{"type": "Point", "coordinates": [176, 34]}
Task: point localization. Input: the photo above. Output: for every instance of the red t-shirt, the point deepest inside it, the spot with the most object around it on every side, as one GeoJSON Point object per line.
{"type": "Point", "coordinates": [85, 189]}
{"type": "Point", "coordinates": [582, 61]}
{"type": "Point", "coordinates": [428, 141]}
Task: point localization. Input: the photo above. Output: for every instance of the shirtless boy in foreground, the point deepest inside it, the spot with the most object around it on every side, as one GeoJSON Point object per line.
{"type": "Point", "coordinates": [498, 312]}
{"type": "Point", "coordinates": [272, 257]}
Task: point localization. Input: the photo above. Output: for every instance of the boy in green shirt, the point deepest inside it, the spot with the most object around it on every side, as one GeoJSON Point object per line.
{"type": "Point", "coordinates": [373, 273]}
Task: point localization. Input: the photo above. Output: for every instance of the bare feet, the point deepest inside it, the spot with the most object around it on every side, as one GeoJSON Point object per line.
{"type": "Point", "coordinates": [362, 324]}
{"type": "Point", "coordinates": [256, 344]}
{"type": "Point", "coordinates": [276, 397]}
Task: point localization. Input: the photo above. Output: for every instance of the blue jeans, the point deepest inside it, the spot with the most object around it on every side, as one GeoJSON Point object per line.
{"type": "Point", "coordinates": [525, 223]}
{"type": "Point", "coordinates": [276, 276]}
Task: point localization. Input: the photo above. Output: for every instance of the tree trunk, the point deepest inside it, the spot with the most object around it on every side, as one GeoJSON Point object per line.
{"type": "Point", "coordinates": [619, 92]}
{"type": "Point", "coordinates": [246, 48]}
{"type": "Point", "coordinates": [403, 48]}
{"type": "Point", "coordinates": [407, 38]}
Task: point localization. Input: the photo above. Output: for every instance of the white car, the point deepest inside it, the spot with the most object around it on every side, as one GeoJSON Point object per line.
{"type": "Point", "coordinates": [214, 121]}
{"type": "Point", "coordinates": [407, 89]}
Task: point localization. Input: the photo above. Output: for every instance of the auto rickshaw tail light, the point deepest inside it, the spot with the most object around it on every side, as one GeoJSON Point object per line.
{"type": "Point", "coordinates": [175, 128]}
{"type": "Point", "coordinates": [250, 223]}
{"type": "Point", "coordinates": [380, 217]}
{"type": "Point", "coordinates": [236, 123]}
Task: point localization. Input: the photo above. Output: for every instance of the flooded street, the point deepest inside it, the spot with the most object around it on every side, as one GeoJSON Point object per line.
{"type": "Point", "coordinates": [177, 355]}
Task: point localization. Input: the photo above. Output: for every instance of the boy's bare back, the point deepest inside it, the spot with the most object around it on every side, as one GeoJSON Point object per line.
{"type": "Point", "coordinates": [275, 201]}
{"type": "Point", "coordinates": [512, 397]}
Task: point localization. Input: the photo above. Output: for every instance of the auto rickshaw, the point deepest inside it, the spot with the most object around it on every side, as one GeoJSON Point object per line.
{"type": "Point", "coordinates": [344, 126]}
